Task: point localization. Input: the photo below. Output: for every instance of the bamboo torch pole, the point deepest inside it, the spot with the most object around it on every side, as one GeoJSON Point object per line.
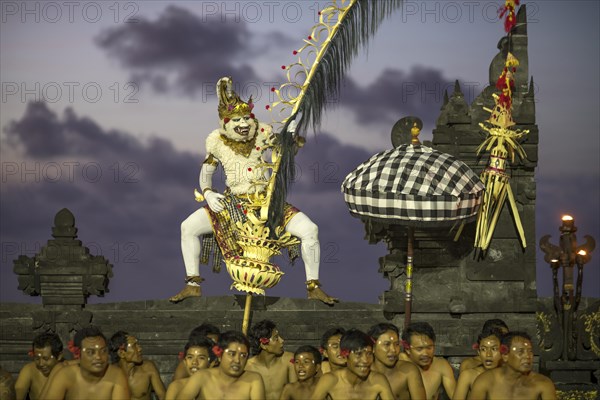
{"type": "Point", "coordinates": [247, 308]}
{"type": "Point", "coordinates": [409, 273]}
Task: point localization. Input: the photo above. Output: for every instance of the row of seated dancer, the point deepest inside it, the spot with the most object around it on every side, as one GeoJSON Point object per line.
{"type": "Point", "coordinates": [348, 364]}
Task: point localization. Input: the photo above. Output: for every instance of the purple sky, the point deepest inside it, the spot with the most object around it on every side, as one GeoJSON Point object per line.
{"type": "Point", "coordinates": [105, 108]}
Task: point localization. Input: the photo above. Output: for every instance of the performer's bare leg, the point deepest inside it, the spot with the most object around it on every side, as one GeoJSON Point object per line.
{"type": "Point", "coordinates": [192, 228]}
{"type": "Point", "coordinates": [307, 231]}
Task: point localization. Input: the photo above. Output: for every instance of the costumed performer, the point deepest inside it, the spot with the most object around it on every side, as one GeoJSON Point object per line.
{"type": "Point", "coordinates": [238, 145]}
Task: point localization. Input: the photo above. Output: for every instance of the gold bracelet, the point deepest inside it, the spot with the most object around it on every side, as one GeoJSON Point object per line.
{"type": "Point", "coordinates": [207, 190]}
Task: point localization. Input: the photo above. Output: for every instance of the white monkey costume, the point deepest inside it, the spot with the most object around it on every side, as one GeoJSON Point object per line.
{"type": "Point", "coordinates": [238, 146]}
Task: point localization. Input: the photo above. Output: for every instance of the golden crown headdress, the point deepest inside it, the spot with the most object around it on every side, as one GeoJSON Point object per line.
{"type": "Point", "coordinates": [230, 104]}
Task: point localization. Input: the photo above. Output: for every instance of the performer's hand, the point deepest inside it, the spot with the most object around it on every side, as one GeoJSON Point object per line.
{"type": "Point", "coordinates": [292, 127]}
{"type": "Point", "coordinates": [294, 124]}
{"type": "Point", "coordinates": [215, 201]}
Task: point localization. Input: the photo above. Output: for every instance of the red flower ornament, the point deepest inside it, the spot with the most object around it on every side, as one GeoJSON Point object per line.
{"type": "Point", "coordinates": [405, 344]}
{"type": "Point", "coordinates": [181, 355]}
{"type": "Point", "coordinates": [217, 350]}
{"type": "Point", "coordinates": [503, 349]}
{"type": "Point", "coordinates": [76, 351]}
{"type": "Point", "coordinates": [30, 353]}
{"type": "Point", "coordinates": [344, 353]}
{"type": "Point", "coordinates": [264, 340]}
{"type": "Point", "coordinates": [292, 361]}
{"type": "Point", "coordinates": [475, 346]}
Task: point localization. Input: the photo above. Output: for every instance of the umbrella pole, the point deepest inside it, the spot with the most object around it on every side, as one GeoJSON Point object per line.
{"type": "Point", "coordinates": [247, 307]}
{"type": "Point", "coordinates": [409, 272]}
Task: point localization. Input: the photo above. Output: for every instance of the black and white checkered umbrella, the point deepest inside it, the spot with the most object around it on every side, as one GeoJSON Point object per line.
{"type": "Point", "coordinates": [413, 185]}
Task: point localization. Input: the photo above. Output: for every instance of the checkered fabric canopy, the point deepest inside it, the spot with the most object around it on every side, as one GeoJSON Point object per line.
{"type": "Point", "coordinates": [413, 185]}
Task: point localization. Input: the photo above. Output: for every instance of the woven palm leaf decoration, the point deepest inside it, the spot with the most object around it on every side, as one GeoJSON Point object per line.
{"type": "Point", "coordinates": [344, 27]}
{"type": "Point", "coordinates": [502, 143]}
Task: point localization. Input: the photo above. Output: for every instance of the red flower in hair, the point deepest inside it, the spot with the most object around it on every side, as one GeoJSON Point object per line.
{"type": "Point", "coordinates": [503, 349]}
{"type": "Point", "coordinates": [252, 116]}
{"type": "Point", "coordinates": [344, 353]}
{"type": "Point", "coordinates": [292, 361]}
{"type": "Point", "coordinates": [405, 344]}
{"type": "Point", "coordinates": [30, 353]}
{"type": "Point", "coordinates": [321, 350]}
{"type": "Point", "coordinates": [264, 340]}
{"type": "Point", "coordinates": [475, 346]}
{"type": "Point", "coordinates": [217, 350]}
{"type": "Point", "coordinates": [76, 351]}
{"type": "Point", "coordinates": [181, 355]}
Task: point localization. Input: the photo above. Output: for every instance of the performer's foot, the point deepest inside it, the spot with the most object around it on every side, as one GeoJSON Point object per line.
{"type": "Point", "coordinates": [188, 290]}
{"type": "Point", "coordinates": [314, 292]}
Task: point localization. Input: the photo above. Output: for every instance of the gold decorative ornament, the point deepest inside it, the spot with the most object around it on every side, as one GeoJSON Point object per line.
{"type": "Point", "coordinates": [577, 394]}
{"type": "Point", "coordinates": [502, 143]}
{"type": "Point", "coordinates": [592, 327]}
{"type": "Point", "coordinates": [252, 272]}
{"type": "Point", "coordinates": [313, 284]}
{"type": "Point", "coordinates": [543, 322]}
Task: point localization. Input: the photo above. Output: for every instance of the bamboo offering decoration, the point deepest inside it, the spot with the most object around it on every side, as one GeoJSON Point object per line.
{"type": "Point", "coordinates": [503, 143]}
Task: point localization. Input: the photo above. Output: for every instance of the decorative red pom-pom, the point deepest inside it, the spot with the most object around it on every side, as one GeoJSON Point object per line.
{"type": "Point", "coordinates": [503, 349]}
{"type": "Point", "coordinates": [310, 38]}
{"type": "Point", "coordinates": [283, 67]}
{"type": "Point", "coordinates": [252, 116]}
{"type": "Point", "coordinates": [273, 89]}
{"type": "Point", "coordinates": [249, 169]}
{"type": "Point", "coordinates": [267, 106]}
{"type": "Point", "coordinates": [257, 148]}
{"type": "Point", "coordinates": [217, 350]}
{"type": "Point", "coordinates": [76, 351]}
{"type": "Point", "coordinates": [245, 211]}
{"type": "Point", "coordinates": [294, 52]}
{"type": "Point", "coordinates": [263, 129]}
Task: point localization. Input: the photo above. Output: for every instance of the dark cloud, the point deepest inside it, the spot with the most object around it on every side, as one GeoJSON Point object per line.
{"type": "Point", "coordinates": [397, 93]}
{"type": "Point", "coordinates": [182, 50]}
{"type": "Point", "coordinates": [185, 51]}
{"type": "Point", "coordinates": [43, 136]}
